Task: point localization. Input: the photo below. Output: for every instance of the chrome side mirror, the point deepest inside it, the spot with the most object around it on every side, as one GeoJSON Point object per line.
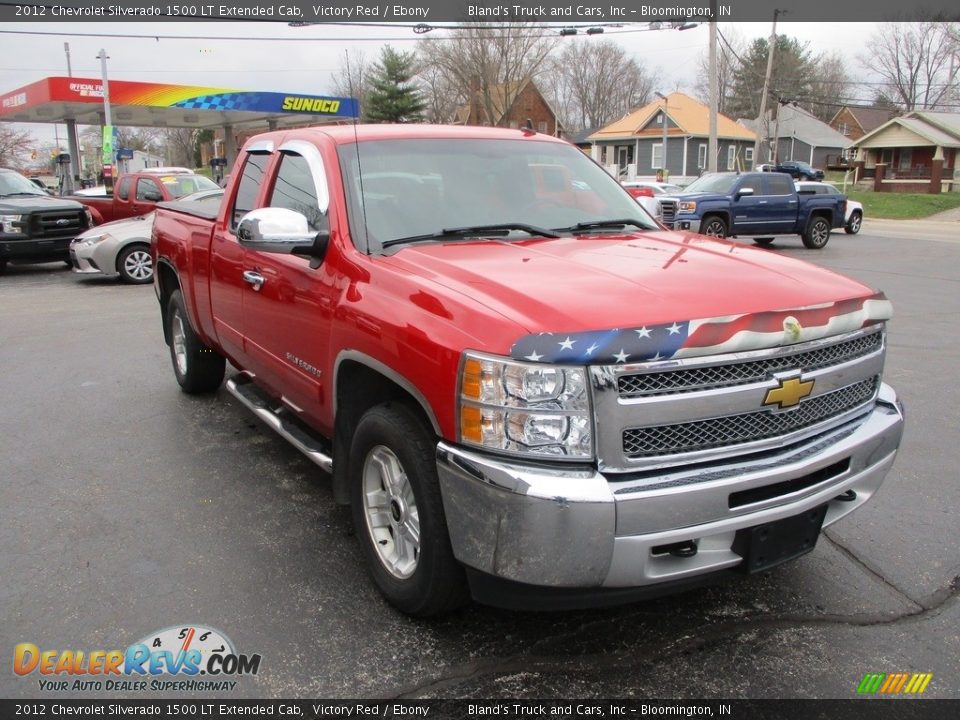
{"type": "Point", "coordinates": [282, 231]}
{"type": "Point", "coordinates": [744, 192]}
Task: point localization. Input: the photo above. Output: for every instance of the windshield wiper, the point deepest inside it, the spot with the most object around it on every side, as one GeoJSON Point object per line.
{"type": "Point", "coordinates": [604, 224]}
{"type": "Point", "coordinates": [499, 230]}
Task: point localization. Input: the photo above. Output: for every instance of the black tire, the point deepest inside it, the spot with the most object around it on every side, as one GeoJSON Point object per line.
{"type": "Point", "coordinates": [419, 577]}
{"type": "Point", "coordinates": [817, 233]}
{"type": "Point", "coordinates": [763, 242]}
{"type": "Point", "coordinates": [714, 226]}
{"type": "Point", "coordinates": [198, 368]}
{"type": "Point", "coordinates": [853, 224]}
{"type": "Point", "coordinates": [135, 264]}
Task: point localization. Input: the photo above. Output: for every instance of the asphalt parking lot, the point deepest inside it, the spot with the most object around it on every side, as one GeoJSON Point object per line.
{"type": "Point", "coordinates": [128, 507]}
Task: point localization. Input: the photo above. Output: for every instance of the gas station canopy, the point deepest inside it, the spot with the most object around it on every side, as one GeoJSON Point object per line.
{"type": "Point", "coordinates": [141, 104]}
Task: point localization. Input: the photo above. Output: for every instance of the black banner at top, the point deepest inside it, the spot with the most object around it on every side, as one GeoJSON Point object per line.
{"type": "Point", "coordinates": [576, 13]}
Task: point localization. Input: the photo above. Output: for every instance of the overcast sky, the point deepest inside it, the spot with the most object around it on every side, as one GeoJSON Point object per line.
{"type": "Point", "coordinates": [303, 59]}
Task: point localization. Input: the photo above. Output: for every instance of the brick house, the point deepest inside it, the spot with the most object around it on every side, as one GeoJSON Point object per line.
{"type": "Point", "coordinates": [913, 153]}
{"type": "Point", "coordinates": [513, 104]}
{"type": "Point", "coordinates": [633, 144]}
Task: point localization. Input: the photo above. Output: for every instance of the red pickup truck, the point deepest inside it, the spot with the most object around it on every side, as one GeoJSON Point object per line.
{"type": "Point", "coordinates": [526, 389]}
{"type": "Point", "coordinates": [138, 194]}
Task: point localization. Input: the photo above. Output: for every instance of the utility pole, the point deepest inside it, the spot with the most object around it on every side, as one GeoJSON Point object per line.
{"type": "Point", "coordinates": [762, 120]}
{"type": "Point", "coordinates": [714, 99]}
{"type": "Point", "coordinates": [72, 141]}
{"type": "Point", "coordinates": [108, 149]}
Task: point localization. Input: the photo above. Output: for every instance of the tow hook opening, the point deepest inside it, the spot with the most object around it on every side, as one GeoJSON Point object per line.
{"type": "Point", "coordinates": [683, 549]}
{"type": "Point", "coordinates": [848, 496]}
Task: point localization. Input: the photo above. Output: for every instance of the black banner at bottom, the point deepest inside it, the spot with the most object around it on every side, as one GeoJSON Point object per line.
{"type": "Point", "coordinates": [859, 709]}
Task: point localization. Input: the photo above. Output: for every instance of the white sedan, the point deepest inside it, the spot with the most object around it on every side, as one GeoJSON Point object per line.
{"type": "Point", "coordinates": [647, 192]}
{"type": "Point", "coordinates": [122, 248]}
{"type": "Point", "coordinates": [854, 217]}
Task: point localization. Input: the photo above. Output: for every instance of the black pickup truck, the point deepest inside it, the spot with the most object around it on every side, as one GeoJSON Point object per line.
{"type": "Point", "coordinates": [760, 205]}
{"type": "Point", "coordinates": [35, 227]}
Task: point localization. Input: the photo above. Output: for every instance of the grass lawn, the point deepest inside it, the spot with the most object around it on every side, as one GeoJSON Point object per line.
{"type": "Point", "coordinates": [903, 206]}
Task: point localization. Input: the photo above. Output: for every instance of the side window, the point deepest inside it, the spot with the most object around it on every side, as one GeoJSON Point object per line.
{"type": "Point", "coordinates": [779, 184]}
{"type": "Point", "coordinates": [754, 182]}
{"type": "Point", "coordinates": [146, 186]}
{"type": "Point", "coordinates": [296, 190]}
{"type": "Point", "coordinates": [249, 186]}
{"type": "Point", "coordinates": [123, 191]}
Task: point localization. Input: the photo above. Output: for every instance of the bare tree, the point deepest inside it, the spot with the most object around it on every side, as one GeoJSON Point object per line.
{"type": "Point", "coordinates": [15, 146]}
{"type": "Point", "coordinates": [181, 145]}
{"type": "Point", "coordinates": [593, 83]}
{"type": "Point", "coordinates": [830, 87]}
{"type": "Point", "coordinates": [914, 59]}
{"type": "Point", "coordinates": [489, 56]}
{"type": "Point", "coordinates": [350, 79]}
{"type": "Point", "coordinates": [440, 92]}
{"type": "Point", "coordinates": [729, 51]}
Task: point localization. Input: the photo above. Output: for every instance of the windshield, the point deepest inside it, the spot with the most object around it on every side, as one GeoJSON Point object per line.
{"type": "Point", "coordinates": [413, 188]}
{"type": "Point", "coordinates": [12, 183]}
{"type": "Point", "coordinates": [180, 185]}
{"type": "Point", "coordinates": [715, 183]}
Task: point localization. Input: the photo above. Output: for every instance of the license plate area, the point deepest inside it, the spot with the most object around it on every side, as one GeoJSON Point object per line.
{"type": "Point", "coordinates": [765, 546]}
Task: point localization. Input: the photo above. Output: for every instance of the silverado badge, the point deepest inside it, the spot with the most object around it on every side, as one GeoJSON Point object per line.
{"type": "Point", "coordinates": [789, 392]}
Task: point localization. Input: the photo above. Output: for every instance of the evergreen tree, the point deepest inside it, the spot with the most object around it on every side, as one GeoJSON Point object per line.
{"type": "Point", "coordinates": [392, 96]}
{"type": "Point", "coordinates": [793, 73]}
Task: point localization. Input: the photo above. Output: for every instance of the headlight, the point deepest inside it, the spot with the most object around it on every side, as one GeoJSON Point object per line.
{"type": "Point", "coordinates": [687, 207]}
{"type": "Point", "coordinates": [91, 240]}
{"type": "Point", "coordinates": [529, 409]}
{"type": "Point", "coordinates": [8, 226]}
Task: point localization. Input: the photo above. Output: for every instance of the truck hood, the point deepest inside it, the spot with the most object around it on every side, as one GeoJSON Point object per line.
{"type": "Point", "coordinates": [21, 204]}
{"type": "Point", "coordinates": [611, 282]}
{"type": "Point", "coordinates": [696, 196]}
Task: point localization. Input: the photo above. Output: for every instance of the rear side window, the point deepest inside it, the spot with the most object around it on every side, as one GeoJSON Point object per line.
{"type": "Point", "coordinates": [779, 185]}
{"type": "Point", "coordinates": [123, 191]}
{"type": "Point", "coordinates": [295, 190]}
{"type": "Point", "coordinates": [249, 187]}
{"type": "Point", "coordinates": [145, 186]}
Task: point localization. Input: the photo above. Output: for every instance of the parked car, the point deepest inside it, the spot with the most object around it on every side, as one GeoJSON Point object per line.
{"type": "Point", "coordinates": [138, 193]}
{"type": "Point", "coordinates": [799, 170]}
{"type": "Point", "coordinates": [854, 215]}
{"type": "Point", "coordinates": [122, 247]}
{"type": "Point", "coordinates": [647, 193]}
{"type": "Point", "coordinates": [34, 227]}
{"type": "Point", "coordinates": [526, 388]}
{"type": "Point", "coordinates": [761, 205]}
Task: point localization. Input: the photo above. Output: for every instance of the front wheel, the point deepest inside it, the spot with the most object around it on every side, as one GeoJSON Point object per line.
{"type": "Point", "coordinates": [817, 233]}
{"type": "Point", "coordinates": [398, 513]}
{"type": "Point", "coordinates": [198, 368]}
{"type": "Point", "coordinates": [135, 265]}
{"type": "Point", "coordinates": [853, 224]}
{"type": "Point", "coordinates": [714, 226]}
{"type": "Point", "coordinates": [763, 242]}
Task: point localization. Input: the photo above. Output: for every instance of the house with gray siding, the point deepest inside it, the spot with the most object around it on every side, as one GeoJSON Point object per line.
{"type": "Point", "coordinates": [791, 133]}
{"type": "Point", "coordinates": [632, 147]}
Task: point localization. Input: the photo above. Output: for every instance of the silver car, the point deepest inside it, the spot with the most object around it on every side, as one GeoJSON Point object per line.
{"type": "Point", "coordinates": [122, 248]}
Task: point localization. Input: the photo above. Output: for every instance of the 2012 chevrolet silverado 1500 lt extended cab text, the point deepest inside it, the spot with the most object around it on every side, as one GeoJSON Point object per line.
{"type": "Point", "coordinates": [523, 385]}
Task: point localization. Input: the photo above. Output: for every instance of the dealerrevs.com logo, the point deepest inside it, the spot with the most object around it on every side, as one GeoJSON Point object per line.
{"type": "Point", "coordinates": [176, 659]}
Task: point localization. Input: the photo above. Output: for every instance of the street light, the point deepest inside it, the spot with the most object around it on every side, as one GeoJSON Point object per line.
{"type": "Point", "coordinates": [663, 148]}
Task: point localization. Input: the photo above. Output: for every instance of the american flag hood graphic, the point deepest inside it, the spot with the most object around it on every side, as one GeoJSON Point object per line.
{"type": "Point", "coordinates": [704, 336]}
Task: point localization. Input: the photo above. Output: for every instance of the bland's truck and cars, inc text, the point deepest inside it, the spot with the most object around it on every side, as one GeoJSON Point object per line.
{"type": "Point", "coordinates": [527, 389]}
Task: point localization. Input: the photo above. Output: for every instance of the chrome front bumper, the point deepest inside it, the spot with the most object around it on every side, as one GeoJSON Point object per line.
{"type": "Point", "coordinates": [565, 527]}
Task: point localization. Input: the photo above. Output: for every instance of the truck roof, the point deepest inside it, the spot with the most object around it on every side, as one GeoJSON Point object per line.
{"type": "Point", "coordinates": [344, 134]}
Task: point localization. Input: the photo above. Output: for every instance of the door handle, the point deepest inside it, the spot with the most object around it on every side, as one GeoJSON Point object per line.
{"type": "Point", "coordinates": [254, 278]}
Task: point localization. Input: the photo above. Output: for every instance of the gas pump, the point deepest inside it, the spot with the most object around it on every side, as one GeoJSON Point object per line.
{"type": "Point", "coordinates": [64, 175]}
{"type": "Point", "coordinates": [217, 166]}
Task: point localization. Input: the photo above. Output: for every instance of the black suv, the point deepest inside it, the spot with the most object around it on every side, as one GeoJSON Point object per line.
{"type": "Point", "coordinates": [35, 227]}
{"type": "Point", "coordinates": [799, 170]}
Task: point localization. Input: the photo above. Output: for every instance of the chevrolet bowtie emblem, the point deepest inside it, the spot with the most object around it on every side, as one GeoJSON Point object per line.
{"type": "Point", "coordinates": [789, 393]}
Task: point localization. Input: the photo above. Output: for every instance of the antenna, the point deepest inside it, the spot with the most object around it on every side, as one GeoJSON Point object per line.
{"type": "Point", "coordinates": [356, 144]}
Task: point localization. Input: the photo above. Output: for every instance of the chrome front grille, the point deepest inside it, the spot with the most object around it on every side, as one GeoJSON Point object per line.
{"type": "Point", "coordinates": [662, 414]}
{"type": "Point", "coordinates": [750, 427]}
{"type": "Point", "coordinates": [742, 373]}
{"type": "Point", "coordinates": [668, 211]}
